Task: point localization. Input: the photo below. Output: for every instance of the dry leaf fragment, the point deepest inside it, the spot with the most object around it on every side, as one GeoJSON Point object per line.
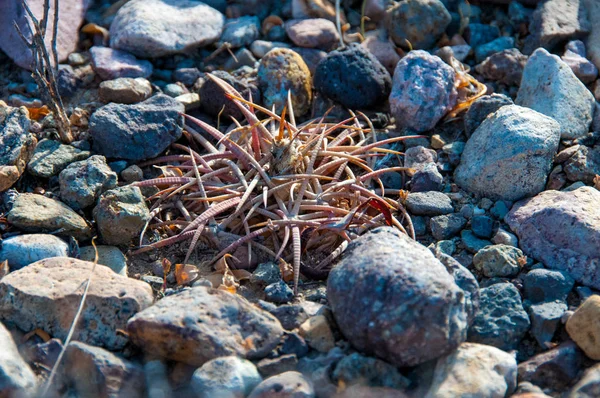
{"type": "Point", "coordinates": [185, 273]}
{"type": "Point", "coordinates": [287, 271]}
{"type": "Point", "coordinates": [4, 270]}
{"type": "Point", "coordinates": [38, 114]}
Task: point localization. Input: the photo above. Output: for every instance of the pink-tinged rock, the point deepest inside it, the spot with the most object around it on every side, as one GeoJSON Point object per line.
{"type": "Point", "coordinates": [71, 13]}
{"type": "Point", "coordinates": [562, 230]}
{"type": "Point", "coordinates": [313, 33]}
{"type": "Point", "coordinates": [383, 50]}
{"type": "Point", "coordinates": [112, 64]}
{"type": "Point", "coordinates": [593, 40]}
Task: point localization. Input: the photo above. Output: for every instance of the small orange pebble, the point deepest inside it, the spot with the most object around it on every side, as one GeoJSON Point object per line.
{"type": "Point", "coordinates": [38, 114]}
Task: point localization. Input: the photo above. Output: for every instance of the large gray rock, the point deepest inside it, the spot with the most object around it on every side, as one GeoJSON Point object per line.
{"type": "Point", "coordinates": [51, 157]}
{"type": "Point", "coordinates": [46, 295]}
{"type": "Point", "coordinates": [82, 182]}
{"type": "Point", "coordinates": [121, 214]}
{"type": "Point", "coordinates": [422, 91]}
{"type": "Point", "coordinates": [16, 378]}
{"type": "Point", "coordinates": [421, 22]}
{"type": "Point", "coordinates": [474, 370]}
{"type": "Point", "coordinates": [230, 377]}
{"type": "Point", "coordinates": [16, 144]}
{"type": "Point", "coordinates": [37, 213]}
{"type": "Point", "coordinates": [22, 250]}
{"type": "Point", "coordinates": [137, 131]}
{"type": "Point", "coordinates": [550, 87]}
{"type": "Point", "coordinates": [510, 154]}
{"type": "Point", "coordinates": [392, 298]}
{"type": "Point", "coordinates": [562, 230]}
{"type": "Point", "coordinates": [71, 15]}
{"type": "Point", "coordinates": [201, 324]}
{"type": "Point", "coordinates": [154, 28]}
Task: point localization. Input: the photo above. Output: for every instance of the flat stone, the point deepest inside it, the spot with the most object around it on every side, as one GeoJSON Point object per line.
{"type": "Point", "coordinates": [16, 377]}
{"type": "Point", "coordinates": [110, 256]}
{"type": "Point", "coordinates": [158, 124]}
{"type": "Point", "coordinates": [37, 213]}
{"type": "Point", "coordinates": [313, 33]}
{"type": "Point", "coordinates": [16, 144]}
{"type": "Point", "coordinates": [288, 384]}
{"type": "Point", "coordinates": [583, 327]}
{"type": "Point", "coordinates": [554, 369]}
{"type": "Point", "coordinates": [155, 28]}
{"type": "Point", "coordinates": [545, 318]}
{"type": "Point", "coordinates": [429, 203]}
{"type": "Point", "coordinates": [381, 313]}
{"type": "Point", "coordinates": [474, 370]}
{"type": "Point", "coordinates": [550, 87]}
{"type": "Point", "coordinates": [421, 22]}
{"type": "Point", "coordinates": [422, 91]}
{"type": "Point", "coordinates": [509, 156]}
{"type": "Point", "coordinates": [562, 230]}
{"type": "Point", "coordinates": [447, 225]}
{"type": "Point", "coordinates": [544, 285]}
{"type": "Point", "coordinates": [22, 250]}
{"type": "Point", "coordinates": [82, 182]}
{"type": "Point", "coordinates": [125, 90]}
{"type": "Point", "coordinates": [94, 371]}
{"type": "Point", "coordinates": [225, 376]}
{"type": "Point", "coordinates": [201, 324]}
{"type": "Point", "coordinates": [498, 260]}
{"type": "Point", "coordinates": [46, 295]}
{"type": "Point", "coordinates": [51, 157]}
{"type": "Point", "coordinates": [113, 64]}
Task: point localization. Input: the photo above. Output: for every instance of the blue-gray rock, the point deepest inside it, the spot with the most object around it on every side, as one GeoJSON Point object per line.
{"type": "Point", "coordinates": [121, 214]}
{"type": "Point", "coordinates": [287, 384]}
{"type": "Point", "coordinates": [554, 369]}
{"type": "Point", "coordinates": [550, 87]}
{"type": "Point", "coordinates": [266, 273]}
{"type": "Point", "coordinates": [545, 318]}
{"type": "Point", "coordinates": [420, 225]}
{"type": "Point", "coordinates": [544, 285]}
{"type": "Point", "coordinates": [518, 14]}
{"type": "Point", "coordinates": [427, 178]}
{"type": "Point", "coordinates": [16, 377]}
{"type": "Point", "coordinates": [510, 154]}
{"type": "Point", "coordinates": [477, 34]}
{"type": "Point", "coordinates": [213, 97]}
{"type": "Point", "coordinates": [446, 226]}
{"type": "Point", "coordinates": [22, 250]}
{"type": "Point", "coordinates": [583, 165]}
{"type": "Point", "coordinates": [575, 57]}
{"type": "Point", "coordinates": [279, 292]}
{"type": "Point", "coordinates": [81, 183]}
{"type": "Point", "coordinates": [125, 90]}
{"type": "Point", "coordinates": [482, 226]}
{"type": "Point", "coordinates": [230, 377]}
{"type": "Point", "coordinates": [421, 22]}
{"type": "Point", "coordinates": [417, 157]}
{"type": "Point", "coordinates": [589, 384]}
{"type": "Point", "coordinates": [359, 369]}
{"type": "Point", "coordinates": [16, 144]}
{"type": "Point", "coordinates": [431, 203]}
{"type": "Point", "coordinates": [504, 67]}
{"type": "Point", "coordinates": [154, 28]}
{"type": "Point", "coordinates": [495, 46]}
{"type": "Point", "coordinates": [243, 58]}
{"type": "Point", "coordinates": [393, 299]}
{"type": "Point", "coordinates": [260, 8]}
{"type": "Point", "coordinates": [51, 157]}
{"type": "Point", "coordinates": [112, 64]}
{"type": "Point", "coordinates": [291, 316]}
{"type": "Point", "coordinates": [240, 32]}
{"type": "Point", "coordinates": [555, 22]}
{"type": "Point", "coordinates": [498, 260]}
{"type": "Point", "coordinates": [293, 343]}
{"type": "Point", "coordinates": [353, 77]}
{"type": "Point", "coordinates": [110, 256]}
{"type": "Point", "coordinates": [422, 91]}
{"type": "Point", "coordinates": [311, 56]}
{"type": "Point", "coordinates": [137, 131]}
{"type": "Point", "coordinates": [465, 280]}
{"type": "Point", "coordinates": [174, 90]}
{"type": "Point", "coordinates": [37, 213]}
{"type": "Point", "coordinates": [471, 242]}
{"type": "Point", "coordinates": [500, 209]}
{"type": "Point", "coordinates": [501, 321]}
{"type": "Point", "coordinates": [187, 76]}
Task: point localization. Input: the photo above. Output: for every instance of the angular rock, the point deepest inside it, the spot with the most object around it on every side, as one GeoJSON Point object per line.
{"type": "Point", "coordinates": [378, 294]}
{"type": "Point", "coordinates": [125, 90]}
{"type": "Point", "coordinates": [543, 285]}
{"type": "Point", "coordinates": [154, 28]}
{"type": "Point", "coordinates": [317, 333]}
{"type": "Point", "coordinates": [510, 154]}
{"type": "Point", "coordinates": [562, 230]}
{"type": "Point", "coordinates": [137, 131]}
{"type": "Point", "coordinates": [447, 225]}
{"type": "Point", "coordinates": [94, 372]}
{"type": "Point", "coordinates": [477, 34]}
{"type": "Point", "coordinates": [288, 384]}
{"type": "Point", "coordinates": [417, 157]}
{"type": "Point", "coordinates": [270, 367]}
{"type": "Point", "coordinates": [505, 67]}
{"type": "Point", "coordinates": [16, 377]}
{"type": "Point", "coordinates": [22, 250]}
{"type": "Point", "coordinates": [225, 376]}
{"type": "Point", "coordinates": [555, 22]}
{"type": "Point", "coordinates": [71, 15]}
{"type": "Point", "coordinates": [353, 77]}
{"type": "Point", "coordinates": [240, 32]}
{"type": "Point", "coordinates": [474, 370]}
{"type": "Point", "coordinates": [472, 242]}
{"type": "Point", "coordinates": [583, 165]}
{"type": "Point", "coordinates": [421, 22]}
{"type": "Point", "coordinates": [16, 144]}
{"type": "Point", "coordinates": [121, 214]}
{"type": "Point", "coordinates": [356, 369]}
{"type": "Point", "coordinates": [282, 70]}
{"type": "Point", "coordinates": [583, 327]}
{"type": "Point", "coordinates": [481, 108]}
{"type": "Point", "coordinates": [313, 33]}
{"type": "Point", "coordinates": [110, 256]}
{"type": "Point", "coordinates": [501, 321]}
{"type": "Point", "coordinates": [201, 324]}
{"type": "Point", "coordinates": [554, 369]}
{"type": "Point", "coordinates": [213, 97]}
{"type": "Point", "coordinates": [498, 260]}
{"type": "Point", "coordinates": [428, 178]}
{"type": "Point", "coordinates": [114, 64]}
{"type": "Point", "coordinates": [51, 157]}
{"type": "Point", "coordinates": [545, 318]}
{"type": "Point", "coordinates": [465, 280]}
{"type": "Point", "coordinates": [575, 57]}
{"type": "Point", "coordinates": [428, 203]}
{"type": "Point", "coordinates": [37, 213]}
{"type": "Point", "coordinates": [46, 295]}
{"type": "Point", "coordinates": [495, 46]}
{"type": "Point", "coordinates": [550, 87]}
{"type": "Point", "coordinates": [593, 40]}
{"type": "Point", "coordinates": [482, 226]}
{"type": "Point", "coordinates": [82, 182]}
{"type": "Point", "coordinates": [291, 316]}
{"type": "Point", "coordinates": [279, 292]}
{"type": "Point", "coordinates": [588, 386]}
{"type": "Point", "coordinates": [422, 91]}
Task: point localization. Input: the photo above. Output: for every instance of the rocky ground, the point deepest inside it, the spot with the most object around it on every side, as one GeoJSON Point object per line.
{"type": "Point", "coordinates": [497, 296]}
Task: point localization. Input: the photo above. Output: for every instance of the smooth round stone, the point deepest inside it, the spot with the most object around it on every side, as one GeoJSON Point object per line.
{"type": "Point", "coordinates": [22, 250]}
